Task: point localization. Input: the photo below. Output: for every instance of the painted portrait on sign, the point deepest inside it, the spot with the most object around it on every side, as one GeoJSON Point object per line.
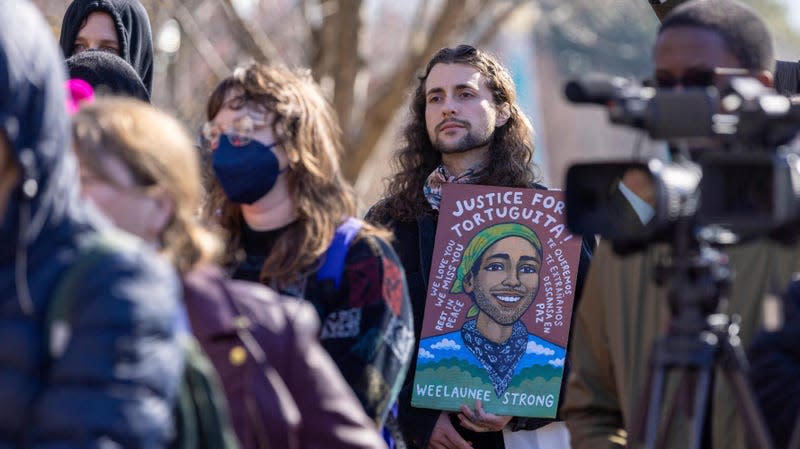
{"type": "Point", "coordinates": [497, 315]}
{"type": "Point", "coordinates": [499, 272]}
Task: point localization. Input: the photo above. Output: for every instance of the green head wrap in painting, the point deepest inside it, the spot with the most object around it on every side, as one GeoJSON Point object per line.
{"type": "Point", "coordinates": [486, 238]}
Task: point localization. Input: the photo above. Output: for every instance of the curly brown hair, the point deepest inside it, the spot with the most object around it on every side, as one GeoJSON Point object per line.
{"type": "Point", "coordinates": [308, 130]}
{"type": "Point", "coordinates": [510, 150]}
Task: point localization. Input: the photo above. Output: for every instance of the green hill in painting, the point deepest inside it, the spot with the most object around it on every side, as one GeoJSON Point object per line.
{"type": "Point", "coordinates": [454, 362]}
{"type": "Point", "coordinates": [470, 380]}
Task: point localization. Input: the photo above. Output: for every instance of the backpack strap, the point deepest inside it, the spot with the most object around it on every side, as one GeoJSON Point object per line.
{"type": "Point", "coordinates": [57, 327]}
{"type": "Point", "coordinates": [392, 435]}
{"type": "Point", "coordinates": [332, 269]}
{"type": "Point", "coordinates": [200, 413]}
{"type": "Point", "coordinates": [333, 263]}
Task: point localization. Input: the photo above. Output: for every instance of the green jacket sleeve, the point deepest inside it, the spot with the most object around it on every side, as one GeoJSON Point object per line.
{"type": "Point", "coordinates": [592, 409]}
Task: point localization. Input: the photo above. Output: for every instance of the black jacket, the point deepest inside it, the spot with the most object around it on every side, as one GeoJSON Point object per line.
{"type": "Point", "coordinates": [118, 373]}
{"type": "Point", "coordinates": [133, 32]}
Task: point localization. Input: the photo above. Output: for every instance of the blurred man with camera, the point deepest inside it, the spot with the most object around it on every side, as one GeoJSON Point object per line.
{"type": "Point", "coordinates": [623, 308]}
{"type": "Point", "coordinates": [786, 73]}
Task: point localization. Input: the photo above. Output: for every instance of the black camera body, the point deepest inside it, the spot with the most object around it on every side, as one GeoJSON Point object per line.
{"type": "Point", "coordinates": [745, 181]}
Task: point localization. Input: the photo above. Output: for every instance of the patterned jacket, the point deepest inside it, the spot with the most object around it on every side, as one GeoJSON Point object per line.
{"type": "Point", "coordinates": [366, 323]}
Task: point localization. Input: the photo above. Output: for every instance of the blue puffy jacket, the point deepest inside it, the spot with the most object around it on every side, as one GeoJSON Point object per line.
{"type": "Point", "coordinates": [115, 380]}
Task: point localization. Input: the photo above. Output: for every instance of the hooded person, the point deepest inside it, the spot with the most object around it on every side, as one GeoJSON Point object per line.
{"type": "Point", "coordinates": [107, 373]}
{"type": "Point", "coordinates": [108, 74]}
{"type": "Point", "coordinates": [134, 41]}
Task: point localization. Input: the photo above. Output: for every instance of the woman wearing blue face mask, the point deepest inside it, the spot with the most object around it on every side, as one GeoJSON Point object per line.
{"type": "Point", "coordinates": [279, 193]}
{"type": "Point", "coordinates": [139, 167]}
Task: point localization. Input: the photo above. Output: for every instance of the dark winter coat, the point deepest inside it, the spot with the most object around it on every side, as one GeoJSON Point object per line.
{"type": "Point", "coordinates": [133, 31]}
{"type": "Point", "coordinates": [115, 381]}
{"type": "Point", "coordinates": [320, 410]}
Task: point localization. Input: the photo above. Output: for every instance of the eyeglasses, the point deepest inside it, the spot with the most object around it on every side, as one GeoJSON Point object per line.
{"type": "Point", "coordinates": [239, 134]}
{"type": "Point", "coordinates": [695, 77]}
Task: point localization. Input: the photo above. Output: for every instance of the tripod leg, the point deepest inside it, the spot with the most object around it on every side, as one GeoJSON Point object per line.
{"type": "Point", "coordinates": [672, 412]}
{"type": "Point", "coordinates": [693, 361]}
{"type": "Point", "coordinates": [700, 421]}
{"type": "Point", "coordinates": [734, 365]}
{"type": "Point", "coordinates": [654, 406]}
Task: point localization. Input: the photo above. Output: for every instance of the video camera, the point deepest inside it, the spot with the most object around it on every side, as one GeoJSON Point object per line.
{"type": "Point", "coordinates": [745, 180]}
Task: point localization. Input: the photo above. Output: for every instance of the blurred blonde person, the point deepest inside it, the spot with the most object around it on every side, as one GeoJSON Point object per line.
{"type": "Point", "coordinates": [139, 166]}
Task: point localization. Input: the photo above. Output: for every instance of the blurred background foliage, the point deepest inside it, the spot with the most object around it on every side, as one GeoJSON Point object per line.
{"type": "Point", "coordinates": [366, 55]}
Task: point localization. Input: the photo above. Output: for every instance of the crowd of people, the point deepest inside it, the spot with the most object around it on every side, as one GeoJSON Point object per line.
{"type": "Point", "coordinates": [157, 292]}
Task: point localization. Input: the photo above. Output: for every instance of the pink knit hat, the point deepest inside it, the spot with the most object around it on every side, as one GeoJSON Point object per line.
{"type": "Point", "coordinates": [78, 91]}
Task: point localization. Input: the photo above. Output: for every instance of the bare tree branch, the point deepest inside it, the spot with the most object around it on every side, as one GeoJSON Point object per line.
{"type": "Point", "coordinates": [198, 39]}
{"type": "Point", "coordinates": [315, 17]}
{"type": "Point", "coordinates": [252, 38]}
{"type": "Point", "coordinates": [417, 34]}
{"type": "Point", "coordinates": [346, 60]}
{"type": "Point", "coordinates": [448, 22]}
{"type": "Point", "coordinates": [500, 17]}
{"type": "Point", "coordinates": [335, 28]}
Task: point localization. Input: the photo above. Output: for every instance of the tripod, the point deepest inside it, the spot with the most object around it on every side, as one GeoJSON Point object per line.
{"type": "Point", "coordinates": [700, 338]}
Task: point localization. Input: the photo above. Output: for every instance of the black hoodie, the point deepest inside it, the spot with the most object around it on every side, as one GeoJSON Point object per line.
{"type": "Point", "coordinates": [111, 378]}
{"type": "Point", "coordinates": [133, 32]}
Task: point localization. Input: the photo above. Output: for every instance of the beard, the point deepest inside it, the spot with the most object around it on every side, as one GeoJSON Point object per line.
{"type": "Point", "coordinates": [471, 140]}
{"type": "Point", "coordinates": [502, 315]}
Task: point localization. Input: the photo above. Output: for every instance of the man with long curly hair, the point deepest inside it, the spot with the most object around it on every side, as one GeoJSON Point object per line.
{"type": "Point", "coordinates": [466, 127]}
